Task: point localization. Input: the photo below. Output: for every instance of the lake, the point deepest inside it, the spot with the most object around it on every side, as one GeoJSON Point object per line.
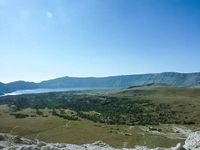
{"type": "Point", "coordinates": [36, 91]}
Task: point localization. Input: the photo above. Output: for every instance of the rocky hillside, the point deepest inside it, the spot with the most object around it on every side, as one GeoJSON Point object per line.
{"type": "Point", "coordinates": [169, 78]}
{"type": "Point", "coordinates": [8, 142]}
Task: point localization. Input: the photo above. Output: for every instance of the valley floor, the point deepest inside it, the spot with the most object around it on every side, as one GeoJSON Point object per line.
{"type": "Point", "coordinates": [149, 116]}
{"type": "Point", "coordinates": [55, 129]}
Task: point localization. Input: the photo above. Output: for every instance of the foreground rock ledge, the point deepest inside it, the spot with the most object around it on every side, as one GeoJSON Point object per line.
{"type": "Point", "coordinates": [10, 142]}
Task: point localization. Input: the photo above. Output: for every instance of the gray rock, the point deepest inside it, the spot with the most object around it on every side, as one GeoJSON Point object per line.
{"type": "Point", "coordinates": [193, 141]}
{"type": "Point", "coordinates": [29, 148]}
{"type": "Point", "coordinates": [17, 140]}
{"type": "Point", "coordinates": [2, 137]}
{"type": "Point", "coordinates": [49, 147]}
{"type": "Point", "coordinates": [179, 146]}
{"type": "Point", "coordinates": [100, 143]}
{"type": "Point", "coordinates": [2, 146]}
{"type": "Point", "coordinates": [40, 144]}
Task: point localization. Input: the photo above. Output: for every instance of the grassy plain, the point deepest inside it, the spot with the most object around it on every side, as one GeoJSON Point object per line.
{"type": "Point", "coordinates": [55, 129]}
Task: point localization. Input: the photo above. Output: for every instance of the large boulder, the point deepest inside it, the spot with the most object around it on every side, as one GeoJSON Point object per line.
{"type": "Point", "coordinates": [2, 137]}
{"type": "Point", "coordinates": [193, 141]}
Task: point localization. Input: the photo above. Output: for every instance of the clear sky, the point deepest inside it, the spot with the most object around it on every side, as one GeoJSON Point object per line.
{"type": "Point", "coordinates": [44, 39]}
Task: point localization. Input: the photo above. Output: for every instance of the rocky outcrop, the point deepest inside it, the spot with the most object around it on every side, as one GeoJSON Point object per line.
{"type": "Point", "coordinates": [193, 141]}
{"type": "Point", "coordinates": [10, 142]}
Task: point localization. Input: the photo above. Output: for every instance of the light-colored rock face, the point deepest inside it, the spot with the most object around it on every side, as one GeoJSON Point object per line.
{"type": "Point", "coordinates": [9, 142]}
{"type": "Point", "coordinates": [193, 141]}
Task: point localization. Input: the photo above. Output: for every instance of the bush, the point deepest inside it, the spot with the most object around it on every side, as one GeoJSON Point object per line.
{"type": "Point", "coordinates": [63, 115]}
{"type": "Point", "coordinates": [19, 116]}
{"type": "Point", "coordinates": [38, 112]}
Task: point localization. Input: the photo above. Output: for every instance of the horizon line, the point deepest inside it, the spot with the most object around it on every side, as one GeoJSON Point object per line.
{"type": "Point", "coordinates": [100, 76]}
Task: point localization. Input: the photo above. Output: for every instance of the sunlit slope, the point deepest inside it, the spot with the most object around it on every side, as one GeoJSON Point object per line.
{"type": "Point", "coordinates": [170, 78]}
{"type": "Point", "coordinates": [181, 104]}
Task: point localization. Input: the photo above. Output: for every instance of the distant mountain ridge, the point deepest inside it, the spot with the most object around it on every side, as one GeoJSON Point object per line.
{"type": "Point", "coordinates": [123, 81]}
{"type": "Point", "coordinates": [17, 85]}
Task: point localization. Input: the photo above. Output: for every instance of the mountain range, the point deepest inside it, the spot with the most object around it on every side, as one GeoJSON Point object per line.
{"type": "Point", "coordinates": [123, 81]}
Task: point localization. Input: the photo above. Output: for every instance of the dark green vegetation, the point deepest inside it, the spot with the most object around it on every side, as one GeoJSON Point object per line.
{"type": "Point", "coordinates": [169, 78]}
{"type": "Point", "coordinates": [134, 106]}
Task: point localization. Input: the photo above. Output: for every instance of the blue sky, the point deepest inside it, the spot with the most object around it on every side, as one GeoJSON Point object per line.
{"type": "Point", "coordinates": [44, 39]}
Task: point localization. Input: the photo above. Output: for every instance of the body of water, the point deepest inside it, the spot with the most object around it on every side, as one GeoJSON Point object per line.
{"type": "Point", "coordinates": [36, 91]}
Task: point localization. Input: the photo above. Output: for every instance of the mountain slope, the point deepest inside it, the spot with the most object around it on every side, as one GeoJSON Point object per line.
{"type": "Point", "coordinates": [169, 78]}
{"type": "Point", "coordinates": [17, 85]}
{"type": "Point", "coordinates": [22, 85]}
{"type": "Point", "coordinates": [2, 88]}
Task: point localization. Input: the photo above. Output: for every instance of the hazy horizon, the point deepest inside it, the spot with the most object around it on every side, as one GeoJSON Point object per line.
{"type": "Point", "coordinates": [97, 76]}
{"type": "Point", "coordinates": [43, 40]}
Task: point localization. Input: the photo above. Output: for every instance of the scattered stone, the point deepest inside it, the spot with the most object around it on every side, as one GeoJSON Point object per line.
{"type": "Point", "coordinates": [191, 143]}
{"type": "Point", "coordinates": [49, 147]}
{"type": "Point", "coordinates": [182, 130]}
{"type": "Point", "coordinates": [154, 129]}
{"type": "Point", "coordinates": [59, 145]}
{"type": "Point", "coordinates": [40, 144]}
{"type": "Point", "coordinates": [179, 147]}
{"type": "Point", "coordinates": [27, 141]}
{"type": "Point", "coordinates": [33, 147]}
{"type": "Point", "coordinates": [11, 148]}
{"type": "Point", "coordinates": [17, 140]}
{"type": "Point", "coordinates": [128, 134]}
{"type": "Point", "coordinates": [1, 146]}
{"type": "Point", "coordinates": [100, 143]}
